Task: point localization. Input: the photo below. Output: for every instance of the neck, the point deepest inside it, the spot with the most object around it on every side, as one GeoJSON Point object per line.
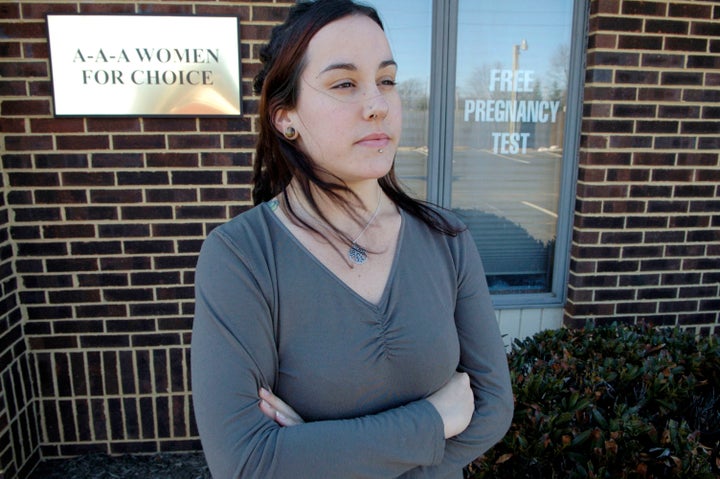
{"type": "Point", "coordinates": [364, 199]}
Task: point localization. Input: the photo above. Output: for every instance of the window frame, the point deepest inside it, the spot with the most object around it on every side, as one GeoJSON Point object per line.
{"type": "Point", "coordinates": [441, 133]}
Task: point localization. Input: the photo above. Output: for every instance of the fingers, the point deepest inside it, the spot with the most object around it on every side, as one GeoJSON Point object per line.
{"type": "Point", "coordinates": [276, 409]}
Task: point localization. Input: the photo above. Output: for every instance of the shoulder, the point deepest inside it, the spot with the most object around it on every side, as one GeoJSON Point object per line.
{"type": "Point", "coordinates": [246, 237]}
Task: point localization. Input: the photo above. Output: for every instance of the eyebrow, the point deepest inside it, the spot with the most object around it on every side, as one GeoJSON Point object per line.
{"type": "Point", "coordinates": [353, 67]}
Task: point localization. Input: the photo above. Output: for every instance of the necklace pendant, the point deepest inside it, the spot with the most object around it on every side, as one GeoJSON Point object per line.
{"type": "Point", "coordinates": [357, 254]}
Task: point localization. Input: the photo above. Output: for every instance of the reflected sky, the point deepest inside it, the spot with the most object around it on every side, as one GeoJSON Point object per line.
{"type": "Point", "coordinates": [487, 32]}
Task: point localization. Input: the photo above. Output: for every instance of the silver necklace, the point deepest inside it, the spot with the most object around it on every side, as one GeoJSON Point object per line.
{"type": "Point", "coordinates": [357, 253]}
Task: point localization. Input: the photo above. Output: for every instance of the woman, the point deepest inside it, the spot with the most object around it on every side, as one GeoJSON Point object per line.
{"type": "Point", "coordinates": [342, 329]}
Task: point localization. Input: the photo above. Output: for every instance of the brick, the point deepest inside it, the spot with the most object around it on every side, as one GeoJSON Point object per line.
{"type": "Point", "coordinates": [686, 10]}
{"type": "Point", "coordinates": [200, 212]}
{"type": "Point", "coordinates": [664, 237]}
{"type": "Point", "coordinates": [102, 280]}
{"type": "Point", "coordinates": [639, 42]}
{"type": "Point", "coordinates": [617, 24]}
{"type": "Point", "coordinates": [623, 206]}
{"type": "Point", "coordinates": [82, 142]}
{"type": "Point", "coordinates": [169, 124]}
{"type": "Point", "coordinates": [68, 231]}
{"type": "Point", "coordinates": [620, 59]}
{"type": "Point", "coordinates": [705, 236]}
{"type": "Point", "coordinates": [25, 107]}
{"type": "Point", "coordinates": [242, 177]}
{"type": "Point", "coordinates": [700, 127]}
{"type": "Point", "coordinates": [621, 237]}
{"type": "Point", "coordinates": [694, 264]}
{"type": "Point", "coordinates": [653, 158]}
{"type": "Point", "coordinates": [71, 264]}
{"type": "Point", "coordinates": [61, 161]}
{"type": "Point", "coordinates": [87, 179]}
{"type": "Point", "coordinates": [225, 159]}
{"type": "Point", "coordinates": [642, 251]}
{"type": "Point", "coordinates": [154, 278]}
{"type": "Point", "coordinates": [667, 26]}
{"type": "Point", "coordinates": [153, 178]}
{"type": "Point", "coordinates": [87, 213]}
{"type": "Point", "coordinates": [605, 126]}
{"type": "Point", "coordinates": [663, 60]}
{"type": "Point", "coordinates": [41, 343]}
{"type": "Point", "coordinates": [631, 141]}
{"type": "Point", "coordinates": [56, 125]}
{"type": "Point", "coordinates": [127, 325]}
{"type": "Point", "coordinates": [693, 191]}
{"type": "Point", "coordinates": [165, 160]}
{"type": "Point", "coordinates": [644, 279]}
{"type": "Point", "coordinates": [148, 247]}
{"type": "Point", "coordinates": [677, 306]}
{"type": "Point", "coordinates": [123, 230]}
{"type": "Point", "coordinates": [677, 278]}
{"type": "Point", "coordinates": [194, 141]}
{"type": "Point", "coordinates": [667, 206]}
{"type": "Point", "coordinates": [645, 222]}
{"type": "Point", "coordinates": [108, 125]}
{"type": "Point", "coordinates": [657, 127]}
{"type": "Point", "coordinates": [678, 111]}
{"type": "Point", "coordinates": [225, 124]}
{"type": "Point", "coordinates": [674, 142]}
{"type": "Point", "coordinates": [636, 77]}
{"type": "Point", "coordinates": [28, 143]}
{"type": "Point", "coordinates": [127, 295]}
{"type": "Point", "coordinates": [177, 229]}
{"type": "Point", "coordinates": [710, 112]}
{"type": "Point", "coordinates": [117, 160]}
{"type": "Point", "coordinates": [94, 248]}
{"type": "Point", "coordinates": [167, 195]}
{"type": "Point", "coordinates": [138, 142]}
{"type": "Point", "coordinates": [703, 61]}
{"type": "Point", "coordinates": [711, 143]}
{"type": "Point", "coordinates": [45, 197]}
{"type": "Point", "coordinates": [702, 95]}
{"type": "Point", "coordinates": [196, 177]}
{"type": "Point", "coordinates": [675, 175]}
{"type": "Point", "coordinates": [659, 94]}
{"type": "Point", "coordinates": [145, 212]}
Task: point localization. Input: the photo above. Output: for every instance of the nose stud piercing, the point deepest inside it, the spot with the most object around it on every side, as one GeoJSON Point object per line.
{"type": "Point", "coordinates": [380, 150]}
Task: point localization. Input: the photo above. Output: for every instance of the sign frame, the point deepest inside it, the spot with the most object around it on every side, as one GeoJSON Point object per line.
{"type": "Point", "coordinates": [136, 65]}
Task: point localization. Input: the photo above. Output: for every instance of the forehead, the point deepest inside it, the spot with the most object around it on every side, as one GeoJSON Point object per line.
{"type": "Point", "coordinates": [356, 39]}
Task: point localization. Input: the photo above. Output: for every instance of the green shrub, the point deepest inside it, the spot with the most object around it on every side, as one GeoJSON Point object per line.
{"type": "Point", "coordinates": [611, 402]}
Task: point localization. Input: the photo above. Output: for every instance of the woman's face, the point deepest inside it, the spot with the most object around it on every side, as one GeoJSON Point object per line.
{"type": "Point", "coordinates": [348, 113]}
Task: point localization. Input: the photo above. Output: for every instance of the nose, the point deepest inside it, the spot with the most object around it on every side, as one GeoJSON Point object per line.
{"type": "Point", "coordinates": [376, 105]}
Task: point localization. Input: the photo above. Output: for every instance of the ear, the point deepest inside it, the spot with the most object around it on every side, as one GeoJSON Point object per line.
{"type": "Point", "coordinates": [282, 119]}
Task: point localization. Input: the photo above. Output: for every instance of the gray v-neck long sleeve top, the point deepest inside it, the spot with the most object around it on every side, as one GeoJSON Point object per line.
{"type": "Point", "coordinates": [268, 313]}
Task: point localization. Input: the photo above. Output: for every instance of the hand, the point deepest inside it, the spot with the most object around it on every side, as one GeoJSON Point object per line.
{"type": "Point", "coordinates": [277, 410]}
{"type": "Point", "coordinates": [455, 404]}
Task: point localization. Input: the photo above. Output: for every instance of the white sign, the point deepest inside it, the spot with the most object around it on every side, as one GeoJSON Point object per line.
{"type": "Point", "coordinates": [136, 65]}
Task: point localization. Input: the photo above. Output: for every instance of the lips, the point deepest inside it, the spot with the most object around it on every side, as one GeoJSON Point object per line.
{"type": "Point", "coordinates": [374, 140]}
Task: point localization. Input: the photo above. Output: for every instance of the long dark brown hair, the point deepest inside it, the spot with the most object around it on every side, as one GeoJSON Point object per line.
{"type": "Point", "coordinates": [279, 160]}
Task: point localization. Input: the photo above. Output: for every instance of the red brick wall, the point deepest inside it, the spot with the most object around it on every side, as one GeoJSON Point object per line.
{"type": "Point", "coordinates": [19, 433]}
{"type": "Point", "coordinates": [106, 216]}
{"type": "Point", "coordinates": [646, 242]}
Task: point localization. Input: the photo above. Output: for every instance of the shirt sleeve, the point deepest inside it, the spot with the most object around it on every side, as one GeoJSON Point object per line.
{"type": "Point", "coordinates": [234, 353]}
{"type": "Point", "coordinates": [483, 357]}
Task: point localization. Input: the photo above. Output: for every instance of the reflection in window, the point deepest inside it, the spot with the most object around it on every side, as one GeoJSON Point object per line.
{"type": "Point", "coordinates": [408, 27]}
{"type": "Point", "coordinates": [512, 72]}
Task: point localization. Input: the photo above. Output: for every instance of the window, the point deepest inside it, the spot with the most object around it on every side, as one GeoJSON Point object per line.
{"type": "Point", "coordinates": [502, 81]}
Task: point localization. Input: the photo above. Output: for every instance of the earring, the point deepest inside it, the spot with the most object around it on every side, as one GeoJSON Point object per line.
{"type": "Point", "coordinates": [290, 133]}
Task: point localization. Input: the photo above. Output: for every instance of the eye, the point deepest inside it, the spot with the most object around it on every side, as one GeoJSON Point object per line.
{"type": "Point", "coordinates": [343, 85]}
{"type": "Point", "coordinates": [386, 81]}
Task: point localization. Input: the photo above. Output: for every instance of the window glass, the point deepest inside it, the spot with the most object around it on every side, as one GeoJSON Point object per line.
{"type": "Point", "coordinates": [513, 59]}
{"type": "Point", "coordinates": [408, 27]}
